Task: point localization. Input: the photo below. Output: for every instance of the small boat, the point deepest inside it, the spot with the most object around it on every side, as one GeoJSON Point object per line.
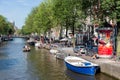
{"type": "Point", "coordinates": [79, 65]}
{"type": "Point", "coordinates": [37, 44]}
{"type": "Point", "coordinates": [60, 55]}
{"type": "Point", "coordinates": [26, 48]}
{"type": "Point", "coordinates": [31, 41]}
{"type": "Point", "coordinates": [53, 51]}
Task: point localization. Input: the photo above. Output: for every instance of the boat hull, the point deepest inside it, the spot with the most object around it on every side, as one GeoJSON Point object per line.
{"type": "Point", "coordinates": [79, 65]}
{"type": "Point", "coordinates": [53, 51]}
{"type": "Point", "coordinates": [82, 70]}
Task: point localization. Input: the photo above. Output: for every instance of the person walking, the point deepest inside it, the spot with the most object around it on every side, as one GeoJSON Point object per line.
{"type": "Point", "coordinates": [73, 40]}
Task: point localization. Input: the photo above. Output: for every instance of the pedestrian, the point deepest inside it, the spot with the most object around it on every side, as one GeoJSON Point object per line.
{"type": "Point", "coordinates": [73, 40]}
{"type": "Point", "coordinates": [114, 55]}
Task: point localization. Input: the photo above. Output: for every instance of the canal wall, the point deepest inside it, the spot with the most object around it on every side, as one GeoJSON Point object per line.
{"type": "Point", "coordinates": [107, 66]}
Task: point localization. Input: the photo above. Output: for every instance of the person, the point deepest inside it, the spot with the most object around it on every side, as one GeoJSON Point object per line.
{"type": "Point", "coordinates": [73, 40]}
{"type": "Point", "coordinates": [114, 55]}
{"type": "Point", "coordinates": [26, 48]}
{"type": "Point", "coordinates": [95, 56]}
{"type": "Point", "coordinates": [68, 43]}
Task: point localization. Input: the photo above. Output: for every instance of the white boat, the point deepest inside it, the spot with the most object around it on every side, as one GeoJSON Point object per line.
{"type": "Point", "coordinates": [53, 51]}
{"type": "Point", "coordinates": [60, 55]}
{"type": "Point", "coordinates": [79, 65]}
{"type": "Point", "coordinates": [37, 44]}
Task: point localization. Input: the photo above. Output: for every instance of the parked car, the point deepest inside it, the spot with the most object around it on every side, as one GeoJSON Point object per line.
{"type": "Point", "coordinates": [80, 48]}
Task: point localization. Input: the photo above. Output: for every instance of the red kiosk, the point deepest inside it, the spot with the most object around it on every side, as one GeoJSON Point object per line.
{"type": "Point", "coordinates": [105, 45]}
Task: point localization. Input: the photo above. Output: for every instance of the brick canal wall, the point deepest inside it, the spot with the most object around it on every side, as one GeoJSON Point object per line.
{"type": "Point", "coordinates": [107, 66]}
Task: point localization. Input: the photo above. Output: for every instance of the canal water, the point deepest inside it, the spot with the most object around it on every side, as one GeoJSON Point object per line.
{"type": "Point", "coordinates": [38, 64]}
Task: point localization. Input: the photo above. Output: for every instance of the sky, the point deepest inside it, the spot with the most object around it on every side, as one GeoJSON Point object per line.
{"type": "Point", "coordinates": [17, 10]}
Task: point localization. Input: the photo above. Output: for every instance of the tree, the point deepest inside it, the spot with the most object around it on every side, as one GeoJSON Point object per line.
{"type": "Point", "coordinates": [28, 28]}
{"type": "Point", "coordinates": [2, 24]}
{"type": "Point", "coordinates": [67, 12]}
{"type": "Point", "coordinates": [5, 26]}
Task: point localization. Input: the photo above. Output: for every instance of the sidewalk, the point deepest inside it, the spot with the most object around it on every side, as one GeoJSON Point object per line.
{"type": "Point", "coordinates": [107, 66]}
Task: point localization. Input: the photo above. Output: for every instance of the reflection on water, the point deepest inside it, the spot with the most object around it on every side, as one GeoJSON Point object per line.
{"type": "Point", "coordinates": [37, 64]}
{"type": "Point", "coordinates": [46, 66]}
{"type": "Point", "coordinates": [7, 63]}
{"type": "Point", "coordinates": [76, 76]}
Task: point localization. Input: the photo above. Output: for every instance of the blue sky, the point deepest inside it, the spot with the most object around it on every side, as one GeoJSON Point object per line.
{"type": "Point", "coordinates": [17, 10]}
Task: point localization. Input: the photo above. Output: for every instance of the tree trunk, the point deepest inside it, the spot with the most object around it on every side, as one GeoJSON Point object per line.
{"type": "Point", "coordinates": [66, 31]}
{"type": "Point", "coordinates": [118, 39]}
{"type": "Point", "coordinates": [73, 27]}
{"type": "Point", "coordinates": [60, 37]}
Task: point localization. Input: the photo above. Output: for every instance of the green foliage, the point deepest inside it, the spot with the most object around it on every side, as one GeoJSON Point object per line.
{"type": "Point", "coordinates": [5, 26]}
{"type": "Point", "coordinates": [40, 19]}
{"type": "Point", "coordinates": [108, 8]}
{"type": "Point", "coordinates": [69, 14]}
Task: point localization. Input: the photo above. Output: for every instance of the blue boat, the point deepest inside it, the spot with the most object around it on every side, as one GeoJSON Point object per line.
{"type": "Point", "coordinates": [79, 65]}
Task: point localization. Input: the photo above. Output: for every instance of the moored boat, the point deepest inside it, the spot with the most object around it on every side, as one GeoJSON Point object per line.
{"type": "Point", "coordinates": [60, 55]}
{"type": "Point", "coordinates": [53, 51]}
{"type": "Point", "coordinates": [79, 65]}
{"type": "Point", "coordinates": [31, 41]}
